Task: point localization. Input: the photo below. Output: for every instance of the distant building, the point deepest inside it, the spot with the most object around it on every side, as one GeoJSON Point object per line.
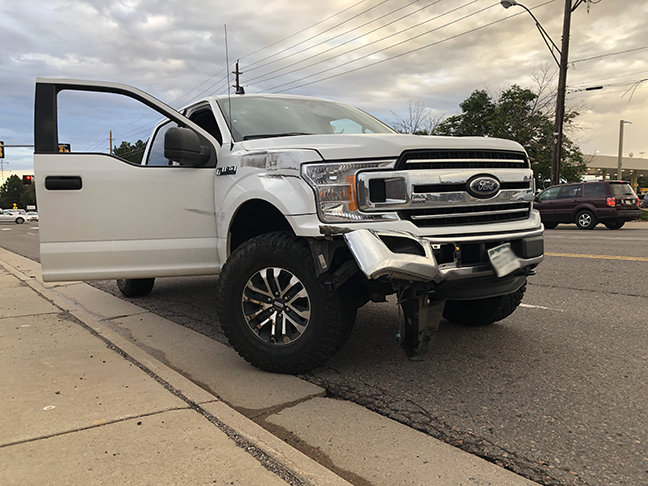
{"type": "Point", "coordinates": [605, 167]}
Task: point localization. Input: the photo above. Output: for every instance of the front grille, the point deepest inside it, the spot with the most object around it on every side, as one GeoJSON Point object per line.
{"type": "Point", "coordinates": [466, 215]}
{"type": "Point", "coordinates": [461, 187]}
{"type": "Point", "coordinates": [462, 159]}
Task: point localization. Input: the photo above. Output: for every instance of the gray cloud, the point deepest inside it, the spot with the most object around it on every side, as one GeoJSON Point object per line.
{"type": "Point", "coordinates": [169, 48]}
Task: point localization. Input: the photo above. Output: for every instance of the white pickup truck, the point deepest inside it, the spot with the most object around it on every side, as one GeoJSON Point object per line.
{"type": "Point", "coordinates": [306, 208]}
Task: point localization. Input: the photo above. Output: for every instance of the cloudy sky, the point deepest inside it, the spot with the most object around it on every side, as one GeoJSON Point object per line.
{"type": "Point", "coordinates": [374, 54]}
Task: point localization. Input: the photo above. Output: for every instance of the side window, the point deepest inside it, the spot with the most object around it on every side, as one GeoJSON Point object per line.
{"type": "Point", "coordinates": [594, 190]}
{"type": "Point", "coordinates": [549, 194]}
{"type": "Point", "coordinates": [205, 120]}
{"type": "Point", "coordinates": [156, 153]}
{"type": "Point", "coordinates": [569, 192]}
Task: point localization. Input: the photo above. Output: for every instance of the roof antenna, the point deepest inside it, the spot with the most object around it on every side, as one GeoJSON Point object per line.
{"type": "Point", "coordinates": [229, 94]}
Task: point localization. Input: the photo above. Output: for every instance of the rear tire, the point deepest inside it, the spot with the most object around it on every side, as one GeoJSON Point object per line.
{"type": "Point", "coordinates": [585, 220]}
{"type": "Point", "coordinates": [614, 225]}
{"type": "Point", "coordinates": [136, 287]}
{"type": "Point", "coordinates": [274, 309]}
{"type": "Point", "coordinates": [483, 312]}
{"type": "Point", "coordinates": [550, 225]}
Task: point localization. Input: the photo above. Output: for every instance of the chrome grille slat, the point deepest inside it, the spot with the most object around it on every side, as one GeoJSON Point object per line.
{"type": "Point", "coordinates": [474, 213]}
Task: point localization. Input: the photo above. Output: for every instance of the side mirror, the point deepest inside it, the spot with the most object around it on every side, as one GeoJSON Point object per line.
{"type": "Point", "coordinates": [183, 145]}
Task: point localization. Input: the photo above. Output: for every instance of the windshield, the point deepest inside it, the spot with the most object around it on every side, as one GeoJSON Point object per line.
{"type": "Point", "coordinates": [260, 117]}
{"type": "Point", "coordinates": [621, 189]}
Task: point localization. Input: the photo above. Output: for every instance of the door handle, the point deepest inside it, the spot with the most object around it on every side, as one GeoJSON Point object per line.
{"type": "Point", "coordinates": [63, 183]}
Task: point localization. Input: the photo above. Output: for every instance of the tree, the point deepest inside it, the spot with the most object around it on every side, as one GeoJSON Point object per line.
{"type": "Point", "coordinates": [11, 193]}
{"type": "Point", "coordinates": [131, 152]}
{"type": "Point", "coordinates": [517, 115]}
{"type": "Point", "coordinates": [417, 119]}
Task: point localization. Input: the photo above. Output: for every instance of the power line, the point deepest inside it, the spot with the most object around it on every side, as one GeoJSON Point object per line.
{"type": "Point", "coordinates": [250, 68]}
{"type": "Point", "coordinates": [608, 54]}
{"type": "Point", "coordinates": [410, 51]}
{"type": "Point", "coordinates": [606, 79]}
{"type": "Point", "coordinates": [387, 48]}
{"type": "Point", "coordinates": [303, 30]}
{"type": "Point", "coordinates": [331, 39]}
{"type": "Point", "coordinates": [351, 40]}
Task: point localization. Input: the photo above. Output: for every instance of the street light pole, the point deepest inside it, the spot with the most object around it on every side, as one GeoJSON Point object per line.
{"type": "Point", "coordinates": [620, 160]}
{"type": "Point", "coordinates": [562, 78]}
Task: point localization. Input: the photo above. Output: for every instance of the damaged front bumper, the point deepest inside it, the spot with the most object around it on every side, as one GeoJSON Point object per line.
{"type": "Point", "coordinates": [405, 256]}
{"type": "Point", "coordinates": [429, 271]}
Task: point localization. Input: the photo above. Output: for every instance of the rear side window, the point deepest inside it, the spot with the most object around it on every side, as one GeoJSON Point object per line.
{"type": "Point", "coordinates": [593, 190]}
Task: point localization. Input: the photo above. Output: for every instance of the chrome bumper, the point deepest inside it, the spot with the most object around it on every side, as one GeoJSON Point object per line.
{"type": "Point", "coordinates": [412, 257]}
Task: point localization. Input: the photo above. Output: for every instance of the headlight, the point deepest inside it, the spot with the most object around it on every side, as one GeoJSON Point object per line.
{"type": "Point", "coordinates": [335, 190]}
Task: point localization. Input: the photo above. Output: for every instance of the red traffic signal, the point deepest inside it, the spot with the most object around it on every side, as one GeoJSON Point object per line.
{"type": "Point", "coordinates": [27, 179]}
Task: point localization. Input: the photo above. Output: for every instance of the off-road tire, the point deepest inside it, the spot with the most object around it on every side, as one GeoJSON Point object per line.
{"type": "Point", "coordinates": [136, 287]}
{"type": "Point", "coordinates": [331, 313]}
{"type": "Point", "coordinates": [614, 225]}
{"type": "Point", "coordinates": [483, 312]}
{"type": "Point", "coordinates": [586, 220]}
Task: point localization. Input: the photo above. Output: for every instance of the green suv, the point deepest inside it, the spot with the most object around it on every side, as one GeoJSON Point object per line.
{"type": "Point", "coordinates": [587, 204]}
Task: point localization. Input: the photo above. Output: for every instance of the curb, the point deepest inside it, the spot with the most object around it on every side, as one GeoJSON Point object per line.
{"type": "Point", "coordinates": [245, 433]}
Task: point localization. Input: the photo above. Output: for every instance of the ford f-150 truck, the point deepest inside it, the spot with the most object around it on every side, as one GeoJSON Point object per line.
{"type": "Point", "coordinates": [306, 208]}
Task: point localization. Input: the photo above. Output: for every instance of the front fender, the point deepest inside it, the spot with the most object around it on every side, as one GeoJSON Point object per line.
{"type": "Point", "coordinates": [289, 193]}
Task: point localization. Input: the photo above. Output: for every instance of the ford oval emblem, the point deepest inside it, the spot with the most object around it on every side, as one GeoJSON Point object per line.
{"type": "Point", "coordinates": [483, 186]}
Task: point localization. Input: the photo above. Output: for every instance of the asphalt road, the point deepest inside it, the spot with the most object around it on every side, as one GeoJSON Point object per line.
{"type": "Point", "coordinates": [556, 392]}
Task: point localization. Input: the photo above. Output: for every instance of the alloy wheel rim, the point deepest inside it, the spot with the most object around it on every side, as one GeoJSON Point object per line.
{"type": "Point", "coordinates": [276, 306]}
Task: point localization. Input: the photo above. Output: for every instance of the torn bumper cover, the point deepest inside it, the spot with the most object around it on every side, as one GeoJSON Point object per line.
{"type": "Point", "coordinates": [403, 255]}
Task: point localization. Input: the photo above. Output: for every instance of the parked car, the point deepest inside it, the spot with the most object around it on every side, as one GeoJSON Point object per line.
{"type": "Point", "coordinates": [9, 216]}
{"type": "Point", "coordinates": [587, 204]}
{"type": "Point", "coordinates": [32, 216]}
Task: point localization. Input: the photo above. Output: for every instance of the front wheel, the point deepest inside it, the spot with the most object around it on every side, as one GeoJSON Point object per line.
{"type": "Point", "coordinates": [585, 220]}
{"type": "Point", "coordinates": [550, 225]}
{"type": "Point", "coordinates": [615, 225]}
{"type": "Point", "coordinates": [274, 309]}
{"type": "Point", "coordinates": [20, 220]}
{"type": "Point", "coordinates": [483, 312]}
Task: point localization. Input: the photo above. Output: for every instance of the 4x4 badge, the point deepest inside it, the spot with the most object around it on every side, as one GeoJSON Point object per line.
{"type": "Point", "coordinates": [483, 186]}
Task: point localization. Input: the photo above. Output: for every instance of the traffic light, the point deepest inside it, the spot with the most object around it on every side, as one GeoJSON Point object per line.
{"type": "Point", "coordinates": [27, 179]}
{"type": "Point", "coordinates": [1, 150]}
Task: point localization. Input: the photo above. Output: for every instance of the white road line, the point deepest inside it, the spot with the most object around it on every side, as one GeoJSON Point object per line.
{"type": "Point", "coordinates": [529, 306]}
{"type": "Point", "coordinates": [6, 229]}
{"type": "Point", "coordinates": [610, 238]}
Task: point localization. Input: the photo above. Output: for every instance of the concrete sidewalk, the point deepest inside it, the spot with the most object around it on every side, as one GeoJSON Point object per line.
{"type": "Point", "coordinates": [86, 402]}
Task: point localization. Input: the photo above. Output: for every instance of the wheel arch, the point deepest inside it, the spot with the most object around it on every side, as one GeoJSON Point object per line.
{"type": "Point", "coordinates": [253, 218]}
{"type": "Point", "coordinates": [581, 207]}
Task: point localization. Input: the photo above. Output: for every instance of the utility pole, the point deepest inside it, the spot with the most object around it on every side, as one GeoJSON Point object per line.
{"type": "Point", "coordinates": [111, 152]}
{"type": "Point", "coordinates": [560, 101]}
{"type": "Point", "coordinates": [620, 159]}
{"type": "Point", "coordinates": [562, 77]}
{"type": "Point", "coordinates": [239, 88]}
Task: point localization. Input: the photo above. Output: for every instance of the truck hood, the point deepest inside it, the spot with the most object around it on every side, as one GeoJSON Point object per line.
{"type": "Point", "coordinates": [377, 145]}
